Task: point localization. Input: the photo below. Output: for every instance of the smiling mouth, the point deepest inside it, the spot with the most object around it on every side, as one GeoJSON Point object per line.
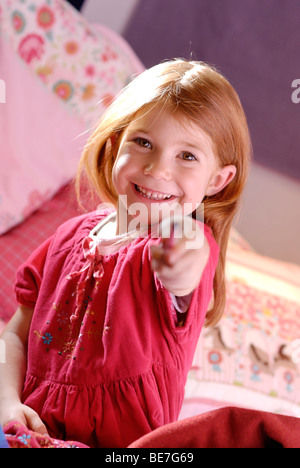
{"type": "Point", "coordinates": [151, 195]}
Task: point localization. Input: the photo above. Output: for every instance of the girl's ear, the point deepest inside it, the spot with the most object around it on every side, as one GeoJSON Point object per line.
{"type": "Point", "coordinates": [220, 179]}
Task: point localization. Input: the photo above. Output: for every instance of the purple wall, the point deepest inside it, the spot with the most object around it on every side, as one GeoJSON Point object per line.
{"type": "Point", "coordinates": [254, 43]}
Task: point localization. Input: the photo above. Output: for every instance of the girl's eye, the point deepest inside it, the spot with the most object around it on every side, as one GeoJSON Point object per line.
{"type": "Point", "coordinates": [188, 156]}
{"type": "Point", "coordinates": [143, 142]}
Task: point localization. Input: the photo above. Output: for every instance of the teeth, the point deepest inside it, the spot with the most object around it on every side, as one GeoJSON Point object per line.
{"type": "Point", "coordinates": [152, 195]}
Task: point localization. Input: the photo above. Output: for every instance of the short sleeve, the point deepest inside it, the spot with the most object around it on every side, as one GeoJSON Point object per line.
{"type": "Point", "coordinates": [29, 276]}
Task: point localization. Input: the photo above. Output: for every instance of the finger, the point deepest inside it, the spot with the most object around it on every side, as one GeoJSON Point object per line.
{"type": "Point", "coordinates": [19, 417]}
{"type": "Point", "coordinates": [35, 423]}
{"type": "Point", "coordinates": [166, 253]}
{"type": "Point", "coordinates": [173, 254]}
{"type": "Point", "coordinates": [186, 235]}
{"type": "Point", "coordinates": [168, 242]}
{"type": "Point", "coordinates": [174, 229]}
{"type": "Point", "coordinates": [158, 257]}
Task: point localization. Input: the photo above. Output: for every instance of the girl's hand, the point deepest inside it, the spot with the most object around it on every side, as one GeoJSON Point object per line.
{"type": "Point", "coordinates": [181, 256]}
{"type": "Point", "coordinates": [23, 414]}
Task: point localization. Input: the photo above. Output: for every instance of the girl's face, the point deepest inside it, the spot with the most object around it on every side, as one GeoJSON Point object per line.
{"type": "Point", "coordinates": [165, 161]}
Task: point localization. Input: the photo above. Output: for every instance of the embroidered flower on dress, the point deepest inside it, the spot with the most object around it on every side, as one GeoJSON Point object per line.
{"type": "Point", "coordinates": [24, 439]}
{"type": "Point", "coordinates": [62, 317]}
{"type": "Point", "coordinates": [47, 338]}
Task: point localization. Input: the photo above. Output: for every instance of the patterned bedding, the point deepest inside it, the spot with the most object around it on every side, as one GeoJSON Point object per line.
{"type": "Point", "coordinates": [252, 358]}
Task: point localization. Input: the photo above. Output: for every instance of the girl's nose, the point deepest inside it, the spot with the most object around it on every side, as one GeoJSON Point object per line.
{"type": "Point", "coordinates": [157, 169]}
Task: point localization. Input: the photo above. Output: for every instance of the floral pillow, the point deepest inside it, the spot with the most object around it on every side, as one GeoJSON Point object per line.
{"type": "Point", "coordinates": [60, 74]}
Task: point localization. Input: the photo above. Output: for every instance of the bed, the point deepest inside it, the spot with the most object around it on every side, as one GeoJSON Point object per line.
{"type": "Point", "coordinates": [250, 363]}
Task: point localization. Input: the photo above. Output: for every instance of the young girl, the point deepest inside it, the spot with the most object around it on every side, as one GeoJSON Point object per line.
{"type": "Point", "coordinates": [109, 320]}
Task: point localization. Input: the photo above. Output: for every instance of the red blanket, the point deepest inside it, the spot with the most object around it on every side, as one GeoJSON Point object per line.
{"type": "Point", "coordinates": [222, 428]}
{"type": "Point", "coordinates": [226, 428]}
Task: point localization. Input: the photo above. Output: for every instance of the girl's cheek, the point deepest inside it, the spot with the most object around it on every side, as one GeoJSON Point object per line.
{"type": "Point", "coordinates": [123, 160]}
{"type": "Point", "coordinates": [115, 176]}
{"type": "Point", "coordinates": [121, 170]}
